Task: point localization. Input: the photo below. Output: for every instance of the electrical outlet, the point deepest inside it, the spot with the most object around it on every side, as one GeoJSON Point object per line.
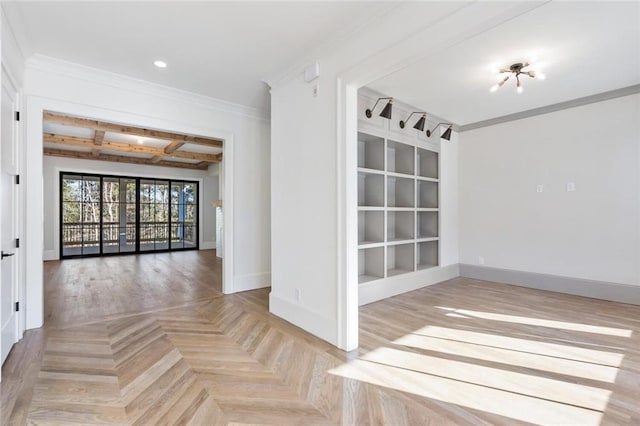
{"type": "Point", "coordinates": [480, 260]}
{"type": "Point", "coordinates": [539, 187]}
{"type": "Point", "coordinates": [297, 294]}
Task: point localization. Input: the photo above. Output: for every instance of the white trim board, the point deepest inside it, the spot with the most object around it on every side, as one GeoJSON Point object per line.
{"type": "Point", "coordinates": [614, 292]}
{"type": "Point", "coordinates": [252, 281]}
{"type": "Point", "coordinates": [315, 323]}
{"type": "Point", "coordinates": [207, 245]}
{"type": "Point", "coordinates": [373, 291]}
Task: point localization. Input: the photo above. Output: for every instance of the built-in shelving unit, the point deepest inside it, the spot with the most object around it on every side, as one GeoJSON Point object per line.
{"type": "Point", "coordinates": [398, 226]}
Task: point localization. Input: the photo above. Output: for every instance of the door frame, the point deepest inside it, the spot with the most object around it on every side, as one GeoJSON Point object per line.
{"type": "Point", "coordinates": [9, 84]}
{"type": "Point", "coordinates": [34, 187]}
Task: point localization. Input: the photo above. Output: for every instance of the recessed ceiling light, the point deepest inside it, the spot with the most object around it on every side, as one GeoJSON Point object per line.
{"type": "Point", "coordinates": [140, 141]}
{"type": "Point", "coordinates": [160, 64]}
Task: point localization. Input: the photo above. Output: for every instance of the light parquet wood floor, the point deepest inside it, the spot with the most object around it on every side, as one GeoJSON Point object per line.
{"type": "Point", "coordinates": [460, 352]}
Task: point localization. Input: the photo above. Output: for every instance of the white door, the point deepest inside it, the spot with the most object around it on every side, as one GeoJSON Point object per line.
{"type": "Point", "coordinates": [8, 221]}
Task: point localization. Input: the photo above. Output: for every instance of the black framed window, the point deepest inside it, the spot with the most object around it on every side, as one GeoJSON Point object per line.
{"type": "Point", "coordinates": [102, 214]}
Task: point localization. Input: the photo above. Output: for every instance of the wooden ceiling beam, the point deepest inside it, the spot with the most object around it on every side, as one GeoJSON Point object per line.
{"type": "Point", "coordinates": [128, 130]}
{"type": "Point", "coordinates": [98, 137]}
{"type": "Point", "coordinates": [126, 147]}
{"type": "Point", "coordinates": [119, 159]}
{"type": "Point", "coordinates": [172, 147]}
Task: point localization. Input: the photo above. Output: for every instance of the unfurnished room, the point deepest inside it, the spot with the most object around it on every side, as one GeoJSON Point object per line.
{"type": "Point", "coordinates": [287, 213]}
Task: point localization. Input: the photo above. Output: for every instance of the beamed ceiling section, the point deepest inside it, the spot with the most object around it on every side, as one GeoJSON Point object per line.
{"type": "Point", "coordinates": [75, 137]}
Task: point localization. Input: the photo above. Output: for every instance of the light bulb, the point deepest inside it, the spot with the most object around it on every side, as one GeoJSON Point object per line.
{"type": "Point", "coordinates": [494, 88]}
{"type": "Point", "coordinates": [160, 64]}
{"type": "Point", "coordinates": [519, 89]}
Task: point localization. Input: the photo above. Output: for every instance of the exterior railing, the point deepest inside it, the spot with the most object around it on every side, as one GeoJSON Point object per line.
{"type": "Point", "coordinates": [88, 233]}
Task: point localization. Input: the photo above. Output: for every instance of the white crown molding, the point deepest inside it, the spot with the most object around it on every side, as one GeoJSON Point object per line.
{"type": "Point", "coordinates": [48, 64]}
{"type": "Point", "coordinates": [297, 66]}
{"type": "Point", "coordinates": [573, 103]}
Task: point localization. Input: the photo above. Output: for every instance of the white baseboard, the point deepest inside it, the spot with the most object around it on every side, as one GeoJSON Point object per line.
{"type": "Point", "coordinates": [49, 255]}
{"type": "Point", "coordinates": [207, 245]}
{"type": "Point", "coordinates": [310, 321]}
{"type": "Point", "coordinates": [251, 281]}
{"type": "Point", "coordinates": [381, 289]}
{"type": "Point", "coordinates": [615, 292]}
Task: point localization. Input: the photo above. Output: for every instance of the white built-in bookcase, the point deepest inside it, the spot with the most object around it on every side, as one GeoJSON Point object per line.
{"type": "Point", "coordinates": [398, 212]}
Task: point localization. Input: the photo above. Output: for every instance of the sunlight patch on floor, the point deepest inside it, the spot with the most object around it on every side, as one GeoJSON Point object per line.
{"type": "Point", "coordinates": [562, 325]}
{"type": "Point", "coordinates": [606, 358]}
{"type": "Point", "coordinates": [556, 365]}
{"type": "Point", "coordinates": [482, 398]}
{"type": "Point", "coordinates": [496, 378]}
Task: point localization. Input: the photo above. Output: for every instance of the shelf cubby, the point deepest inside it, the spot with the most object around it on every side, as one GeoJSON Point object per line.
{"type": "Point", "coordinates": [398, 206]}
{"type": "Point", "coordinates": [400, 259]}
{"type": "Point", "coordinates": [400, 225]}
{"type": "Point", "coordinates": [370, 227]}
{"type": "Point", "coordinates": [400, 158]}
{"type": "Point", "coordinates": [427, 224]}
{"type": "Point", "coordinates": [370, 151]}
{"type": "Point", "coordinates": [370, 190]}
{"type": "Point", "coordinates": [370, 264]}
{"type": "Point", "coordinates": [427, 194]}
{"type": "Point", "coordinates": [427, 254]}
{"type": "Point", "coordinates": [400, 192]}
{"type": "Point", "coordinates": [427, 163]}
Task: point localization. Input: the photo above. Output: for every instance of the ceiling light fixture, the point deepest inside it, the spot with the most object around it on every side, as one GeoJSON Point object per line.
{"type": "Point", "coordinates": [386, 111]}
{"type": "Point", "coordinates": [160, 64]}
{"type": "Point", "coordinates": [419, 124]}
{"type": "Point", "coordinates": [140, 141]}
{"type": "Point", "coordinates": [516, 70]}
{"type": "Point", "coordinates": [447, 133]}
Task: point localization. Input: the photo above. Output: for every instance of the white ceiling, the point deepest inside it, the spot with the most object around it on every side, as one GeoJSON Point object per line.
{"type": "Point", "coordinates": [218, 49]}
{"type": "Point", "coordinates": [584, 48]}
{"type": "Point", "coordinates": [225, 50]}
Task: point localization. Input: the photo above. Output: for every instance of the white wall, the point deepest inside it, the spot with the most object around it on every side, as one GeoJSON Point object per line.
{"type": "Point", "coordinates": [592, 233]}
{"type": "Point", "coordinates": [70, 88]}
{"type": "Point", "coordinates": [313, 147]}
{"type": "Point", "coordinates": [208, 190]}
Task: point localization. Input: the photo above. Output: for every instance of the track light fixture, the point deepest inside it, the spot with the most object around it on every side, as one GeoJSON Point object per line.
{"type": "Point", "coordinates": [386, 111]}
{"type": "Point", "coordinates": [419, 124]}
{"type": "Point", "coordinates": [517, 70]}
{"type": "Point", "coordinates": [447, 133]}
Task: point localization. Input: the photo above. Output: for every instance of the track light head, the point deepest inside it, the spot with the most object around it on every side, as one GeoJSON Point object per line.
{"type": "Point", "coordinates": [419, 124]}
{"type": "Point", "coordinates": [386, 111]}
{"type": "Point", "coordinates": [447, 133]}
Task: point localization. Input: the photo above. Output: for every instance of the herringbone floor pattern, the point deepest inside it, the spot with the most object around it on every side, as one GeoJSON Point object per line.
{"type": "Point", "coordinates": [210, 363]}
{"type": "Point", "coordinates": [460, 352]}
